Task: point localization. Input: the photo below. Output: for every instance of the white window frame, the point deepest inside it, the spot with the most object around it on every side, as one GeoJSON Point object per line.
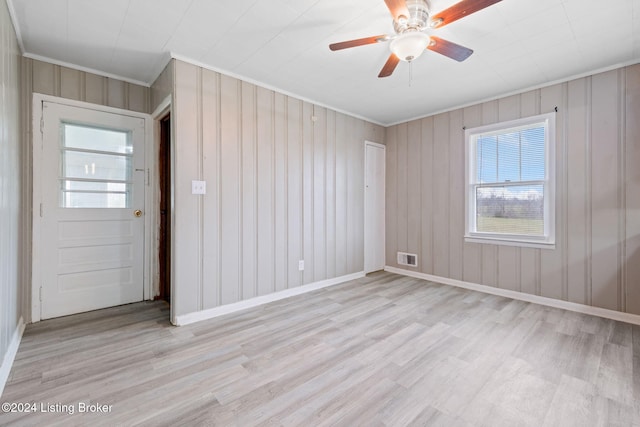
{"type": "Point", "coordinates": [547, 241]}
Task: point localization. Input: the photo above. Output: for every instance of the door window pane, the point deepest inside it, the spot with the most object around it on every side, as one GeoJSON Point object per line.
{"type": "Point", "coordinates": [96, 139]}
{"type": "Point", "coordinates": [96, 167]}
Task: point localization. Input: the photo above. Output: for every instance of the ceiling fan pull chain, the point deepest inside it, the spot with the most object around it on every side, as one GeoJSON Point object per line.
{"type": "Point", "coordinates": [410, 73]}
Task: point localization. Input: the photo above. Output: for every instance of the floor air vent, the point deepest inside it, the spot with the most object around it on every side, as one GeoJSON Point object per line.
{"type": "Point", "coordinates": [407, 259]}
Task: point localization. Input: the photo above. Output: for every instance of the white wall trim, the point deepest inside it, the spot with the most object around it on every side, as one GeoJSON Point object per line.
{"type": "Point", "coordinates": [198, 316]}
{"type": "Point", "coordinates": [521, 296]}
{"type": "Point", "coordinates": [10, 355]}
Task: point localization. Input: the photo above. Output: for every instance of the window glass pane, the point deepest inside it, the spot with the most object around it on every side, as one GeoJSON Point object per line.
{"type": "Point", "coordinates": [91, 138]}
{"type": "Point", "coordinates": [69, 185]}
{"type": "Point", "coordinates": [487, 161]}
{"type": "Point", "coordinates": [514, 209]}
{"type": "Point", "coordinates": [78, 164]}
{"type": "Point", "coordinates": [87, 194]}
{"type": "Point", "coordinates": [94, 200]}
{"type": "Point", "coordinates": [533, 154]}
{"type": "Point", "coordinates": [509, 157]}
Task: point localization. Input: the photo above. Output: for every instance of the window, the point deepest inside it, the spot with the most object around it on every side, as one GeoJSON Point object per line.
{"type": "Point", "coordinates": [96, 167]}
{"type": "Point", "coordinates": [510, 182]}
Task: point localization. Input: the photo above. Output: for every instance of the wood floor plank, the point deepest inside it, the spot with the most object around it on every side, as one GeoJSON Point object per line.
{"type": "Point", "coordinates": [383, 350]}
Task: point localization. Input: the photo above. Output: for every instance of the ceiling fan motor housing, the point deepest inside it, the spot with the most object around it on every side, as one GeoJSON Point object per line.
{"type": "Point", "coordinates": [418, 19]}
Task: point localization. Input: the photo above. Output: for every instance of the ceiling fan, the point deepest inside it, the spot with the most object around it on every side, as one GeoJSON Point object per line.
{"type": "Point", "coordinates": [410, 20]}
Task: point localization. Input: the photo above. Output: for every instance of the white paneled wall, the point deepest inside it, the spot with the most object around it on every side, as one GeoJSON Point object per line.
{"type": "Point", "coordinates": [597, 257]}
{"type": "Point", "coordinates": [284, 183]}
{"type": "Point", "coordinates": [11, 215]}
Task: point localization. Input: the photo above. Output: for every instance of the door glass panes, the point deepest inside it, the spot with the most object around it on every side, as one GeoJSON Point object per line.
{"type": "Point", "coordinates": [96, 167]}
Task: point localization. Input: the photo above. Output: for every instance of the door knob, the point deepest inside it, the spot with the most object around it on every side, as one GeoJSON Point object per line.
{"type": "Point", "coordinates": [137, 213]}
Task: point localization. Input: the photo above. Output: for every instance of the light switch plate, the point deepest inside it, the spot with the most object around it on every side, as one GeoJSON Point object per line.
{"type": "Point", "coordinates": [198, 187]}
{"type": "Point", "coordinates": [301, 265]}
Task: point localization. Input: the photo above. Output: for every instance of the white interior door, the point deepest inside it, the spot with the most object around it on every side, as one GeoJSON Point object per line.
{"type": "Point", "coordinates": [92, 197]}
{"type": "Point", "coordinates": [374, 212]}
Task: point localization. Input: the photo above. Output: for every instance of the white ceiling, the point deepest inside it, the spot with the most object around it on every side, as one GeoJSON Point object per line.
{"type": "Point", "coordinates": [283, 44]}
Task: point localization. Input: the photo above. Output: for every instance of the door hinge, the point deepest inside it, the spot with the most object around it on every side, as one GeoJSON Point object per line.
{"type": "Point", "coordinates": [40, 293]}
{"type": "Point", "coordinates": [42, 124]}
{"type": "Point", "coordinates": [148, 177]}
{"type": "Point", "coordinates": [41, 211]}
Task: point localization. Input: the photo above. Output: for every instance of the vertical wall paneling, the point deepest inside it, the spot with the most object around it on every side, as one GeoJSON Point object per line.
{"type": "Point", "coordinates": [577, 228]}
{"type": "Point", "coordinates": [414, 167]}
{"type": "Point", "coordinates": [117, 94]}
{"type": "Point", "coordinates": [265, 188]}
{"type": "Point", "coordinates": [56, 80]}
{"type": "Point", "coordinates": [355, 208]}
{"type": "Point", "coordinates": [230, 184]}
{"type": "Point", "coordinates": [280, 208]}
{"type": "Point", "coordinates": [472, 252]}
{"type": "Point", "coordinates": [402, 191]}
{"type": "Point", "coordinates": [441, 195]}
{"type": "Point", "coordinates": [319, 122]}
{"type": "Point", "coordinates": [632, 188]}
{"type": "Point", "coordinates": [284, 183]}
{"type": "Point", "coordinates": [425, 257]}
{"type": "Point", "coordinates": [71, 84]}
{"type": "Point", "coordinates": [94, 88]}
{"type": "Point", "coordinates": [12, 216]}
{"type": "Point", "coordinates": [597, 253]}
{"type": "Point", "coordinates": [295, 231]}
{"type": "Point", "coordinates": [341, 195]}
{"type": "Point", "coordinates": [186, 233]}
{"type": "Point", "coordinates": [391, 197]}
{"type": "Point", "coordinates": [622, 195]}
{"type": "Point", "coordinates": [552, 277]}
{"type": "Point", "coordinates": [307, 191]}
{"type": "Point", "coordinates": [456, 195]}
{"type": "Point", "coordinates": [353, 190]}
{"type": "Point", "coordinates": [210, 203]}
{"type": "Point", "coordinates": [28, 253]}
{"type": "Point", "coordinates": [330, 195]}
{"type": "Point", "coordinates": [161, 88]}
{"type": "Point", "coordinates": [604, 206]}
{"type": "Point", "coordinates": [249, 191]}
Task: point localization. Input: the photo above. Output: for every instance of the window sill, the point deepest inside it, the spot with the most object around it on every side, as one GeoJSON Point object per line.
{"type": "Point", "coordinates": [509, 242]}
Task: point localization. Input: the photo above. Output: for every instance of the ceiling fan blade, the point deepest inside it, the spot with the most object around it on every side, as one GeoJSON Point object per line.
{"type": "Point", "coordinates": [358, 42]}
{"type": "Point", "coordinates": [389, 66]}
{"type": "Point", "coordinates": [460, 10]}
{"type": "Point", "coordinates": [397, 8]}
{"type": "Point", "coordinates": [450, 49]}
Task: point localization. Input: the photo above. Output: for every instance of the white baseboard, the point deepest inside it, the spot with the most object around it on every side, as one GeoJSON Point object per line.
{"type": "Point", "coordinates": [549, 302]}
{"type": "Point", "coordinates": [10, 355]}
{"type": "Point", "coordinates": [198, 316]}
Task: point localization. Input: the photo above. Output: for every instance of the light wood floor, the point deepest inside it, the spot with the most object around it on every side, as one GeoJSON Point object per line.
{"type": "Point", "coordinates": [382, 350]}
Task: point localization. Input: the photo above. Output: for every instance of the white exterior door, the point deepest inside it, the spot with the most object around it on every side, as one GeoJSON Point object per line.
{"type": "Point", "coordinates": [92, 199]}
{"type": "Point", "coordinates": [374, 209]}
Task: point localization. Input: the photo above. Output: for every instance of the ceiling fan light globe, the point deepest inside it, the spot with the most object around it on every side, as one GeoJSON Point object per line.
{"type": "Point", "coordinates": [409, 46]}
